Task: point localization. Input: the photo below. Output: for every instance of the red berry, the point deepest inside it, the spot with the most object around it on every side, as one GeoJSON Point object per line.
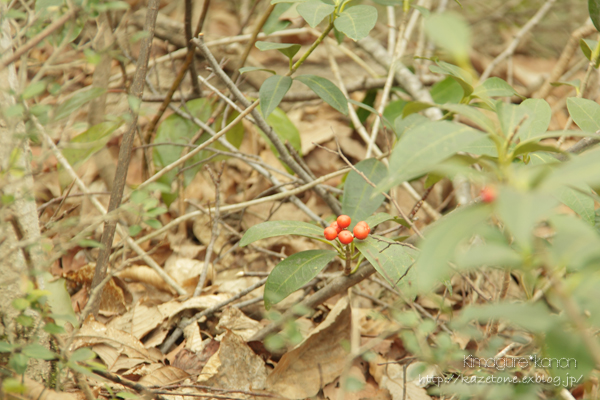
{"type": "Point", "coordinates": [343, 221]}
{"type": "Point", "coordinates": [335, 225]}
{"type": "Point", "coordinates": [345, 237]}
{"type": "Point", "coordinates": [330, 233]}
{"type": "Point", "coordinates": [488, 194]}
{"type": "Point", "coordinates": [361, 231]}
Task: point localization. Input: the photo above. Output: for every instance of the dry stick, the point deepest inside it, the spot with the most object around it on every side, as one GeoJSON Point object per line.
{"type": "Point", "coordinates": [365, 136]}
{"type": "Point", "coordinates": [404, 34]}
{"type": "Point", "coordinates": [264, 126]}
{"type": "Point", "coordinates": [563, 61]}
{"type": "Point", "coordinates": [130, 384]}
{"type": "Point", "coordinates": [187, 24]}
{"type": "Point", "coordinates": [30, 44]}
{"type": "Point", "coordinates": [513, 45]}
{"type": "Point", "coordinates": [125, 150]}
{"type": "Point", "coordinates": [209, 311]}
{"type": "Point", "coordinates": [259, 25]}
{"type": "Point", "coordinates": [214, 233]}
{"type": "Point", "coordinates": [184, 68]}
{"type": "Point", "coordinates": [240, 206]}
{"type": "Point", "coordinates": [255, 165]}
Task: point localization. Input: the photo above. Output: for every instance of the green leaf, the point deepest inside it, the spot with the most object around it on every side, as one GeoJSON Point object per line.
{"type": "Point", "coordinates": [12, 385]}
{"type": "Point", "coordinates": [251, 69]}
{"type": "Point", "coordinates": [594, 10]}
{"type": "Point", "coordinates": [38, 351]}
{"type": "Point", "coordinates": [365, 107]}
{"type": "Point", "coordinates": [494, 87]}
{"type": "Point", "coordinates": [521, 211]}
{"type": "Point", "coordinates": [575, 244]}
{"type": "Point", "coordinates": [59, 300]}
{"type": "Point", "coordinates": [287, 49]}
{"type": "Point", "coordinates": [274, 23]}
{"type": "Point", "coordinates": [451, 33]}
{"type": "Point", "coordinates": [356, 22]}
{"type": "Point", "coordinates": [285, 129]}
{"type": "Point", "coordinates": [584, 168]}
{"type": "Point", "coordinates": [76, 101]}
{"type": "Point", "coordinates": [443, 239]}
{"type": "Point", "coordinates": [34, 90]}
{"type": "Point", "coordinates": [83, 146]}
{"type": "Point", "coordinates": [313, 11]}
{"type": "Point", "coordinates": [422, 147]}
{"type": "Point", "coordinates": [6, 347]}
{"type": "Point", "coordinates": [579, 202]}
{"type": "Point", "coordinates": [539, 114]}
{"type": "Point", "coordinates": [404, 124]}
{"type": "Point", "coordinates": [389, 2]}
{"type": "Point", "coordinates": [533, 317]}
{"type": "Point", "coordinates": [279, 228]}
{"type": "Point", "coordinates": [272, 91]}
{"type": "Point", "coordinates": [473, 114]}
{"type": "Point", "coordinates": [488, 254]}
{"type": "Point", "coordinates": [463, 77]}
{"type": "Point", "coordinates": [588, 46]}
{"type": "Point", "coordinates": [377, 219]}
{"type": "Point", "coordinates": [447, 90]}
{"type": "Point", "coordinates": [82, 354]}
{"type": "Point", "coordinates": [294, 272]}
{"type": "Point", "coordinates": [358, 201]}
{"type": "Point", "coordinates": [392, 111]}
{"type": "Point", "coordinates": [54, 329]}
{"type": "Point", "coordinates": [585, 113]}
{"type": "Point", "coordinates": [127, 395]}
{"type": "Point", "coordinates": [18, 362]}
{"type": "Point", "coordinates": [568, 357]}
{"type": "Point", "coordinates": [20, 304]}
{"type": "Point", "coordinates": [326, 90]}
{"type": "Point", "coordinates": [510, 116]}
{"type": "Point", "coordinates": [389, 258]}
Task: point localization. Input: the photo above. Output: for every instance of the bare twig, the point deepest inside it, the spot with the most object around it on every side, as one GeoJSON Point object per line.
{"type": "Point", "coordinates": [214, 233]}
{"type": "Point", "coordinates": [513, 45]}
{"type": "Point", "coordinates": [31, 43]}
{"type": "Point", "coordinates": [209, 311]}
{"type": "Point", "coordinates": [262, 124]}
{"type": "Point", "coordinates": [125, 151]}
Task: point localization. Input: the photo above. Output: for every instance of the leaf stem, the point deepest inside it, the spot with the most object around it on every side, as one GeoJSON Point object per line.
{"type": "Point", "coordinates": [311, 49]}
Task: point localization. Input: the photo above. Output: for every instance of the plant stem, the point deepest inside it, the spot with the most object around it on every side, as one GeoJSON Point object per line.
{"type": "Point", "coordinates": [311, 49]}
{"type": "Point", "coordinates": [348, 268]}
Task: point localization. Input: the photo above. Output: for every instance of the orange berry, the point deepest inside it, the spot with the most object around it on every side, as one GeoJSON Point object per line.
{"type": "Point", "coordinates": [335, 225]}
{"type": "Point", "coordinates": [343, 221]}
{"type": "Point", "coordinates": [361, 231]}
{"type": "Point", "coordinates": [488, 194]}
{"type": "Point", "coordinates": [345, 237]}
{"type": "Point", "coordinates": [330, 233]}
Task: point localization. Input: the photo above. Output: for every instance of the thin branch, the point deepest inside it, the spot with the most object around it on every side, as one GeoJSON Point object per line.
{"type": "Point", "coordinates": [209, 311]}
{"type": "Point", "coordinates": [262, 124]}
{"type": "Point", "coordinates": [509, 51]}
{"type": "Point", "coordinates": [30, 44]}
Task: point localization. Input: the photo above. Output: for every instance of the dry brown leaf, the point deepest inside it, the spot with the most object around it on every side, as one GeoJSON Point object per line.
{"type": "Point", "coordinates": [319, 359]}
{"type": "Point", "coordinates": [186, 271]}
{"type": "Point", "coordinates": [193, 339]}
{"type": "Point", "coordinates": [235, 320]}
{"type": "Point", "coordinates": [115, 295]}
{"type": "Point", "coordinates": [142, 273]}
{"type": "Point", "coordinates": [369, 391]}
{"type": "Point", "coordinates": [193, 363]}
{"type": "Point", "coordinates": [36, 391]}
{"type": "Point", "coordinates": [234, 366]}
{"type": "Point", "coordinates": [390, 376]}
{"type": "Point", "coordinates": [318, 124]}
{"type": "Point", "coordinates": [163, 376]}
{"type": "Point", "coordinates": [130, 350]}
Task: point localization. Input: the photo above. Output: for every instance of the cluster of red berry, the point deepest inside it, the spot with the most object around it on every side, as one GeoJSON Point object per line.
{"type": "Point", "coordinates": [337, 229]}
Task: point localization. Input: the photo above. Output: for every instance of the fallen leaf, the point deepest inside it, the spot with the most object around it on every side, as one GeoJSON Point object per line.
{"type": "Point", "coordinates": [317, 361]}
{"type": "Point", "coordinates": [235, 320]}
{"type": "Point", "coordinates": [163, 376]}
{"type": "Point", "coordinates": [234, 366]}
{"type": "Point", "coordinates": [390, 376]}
